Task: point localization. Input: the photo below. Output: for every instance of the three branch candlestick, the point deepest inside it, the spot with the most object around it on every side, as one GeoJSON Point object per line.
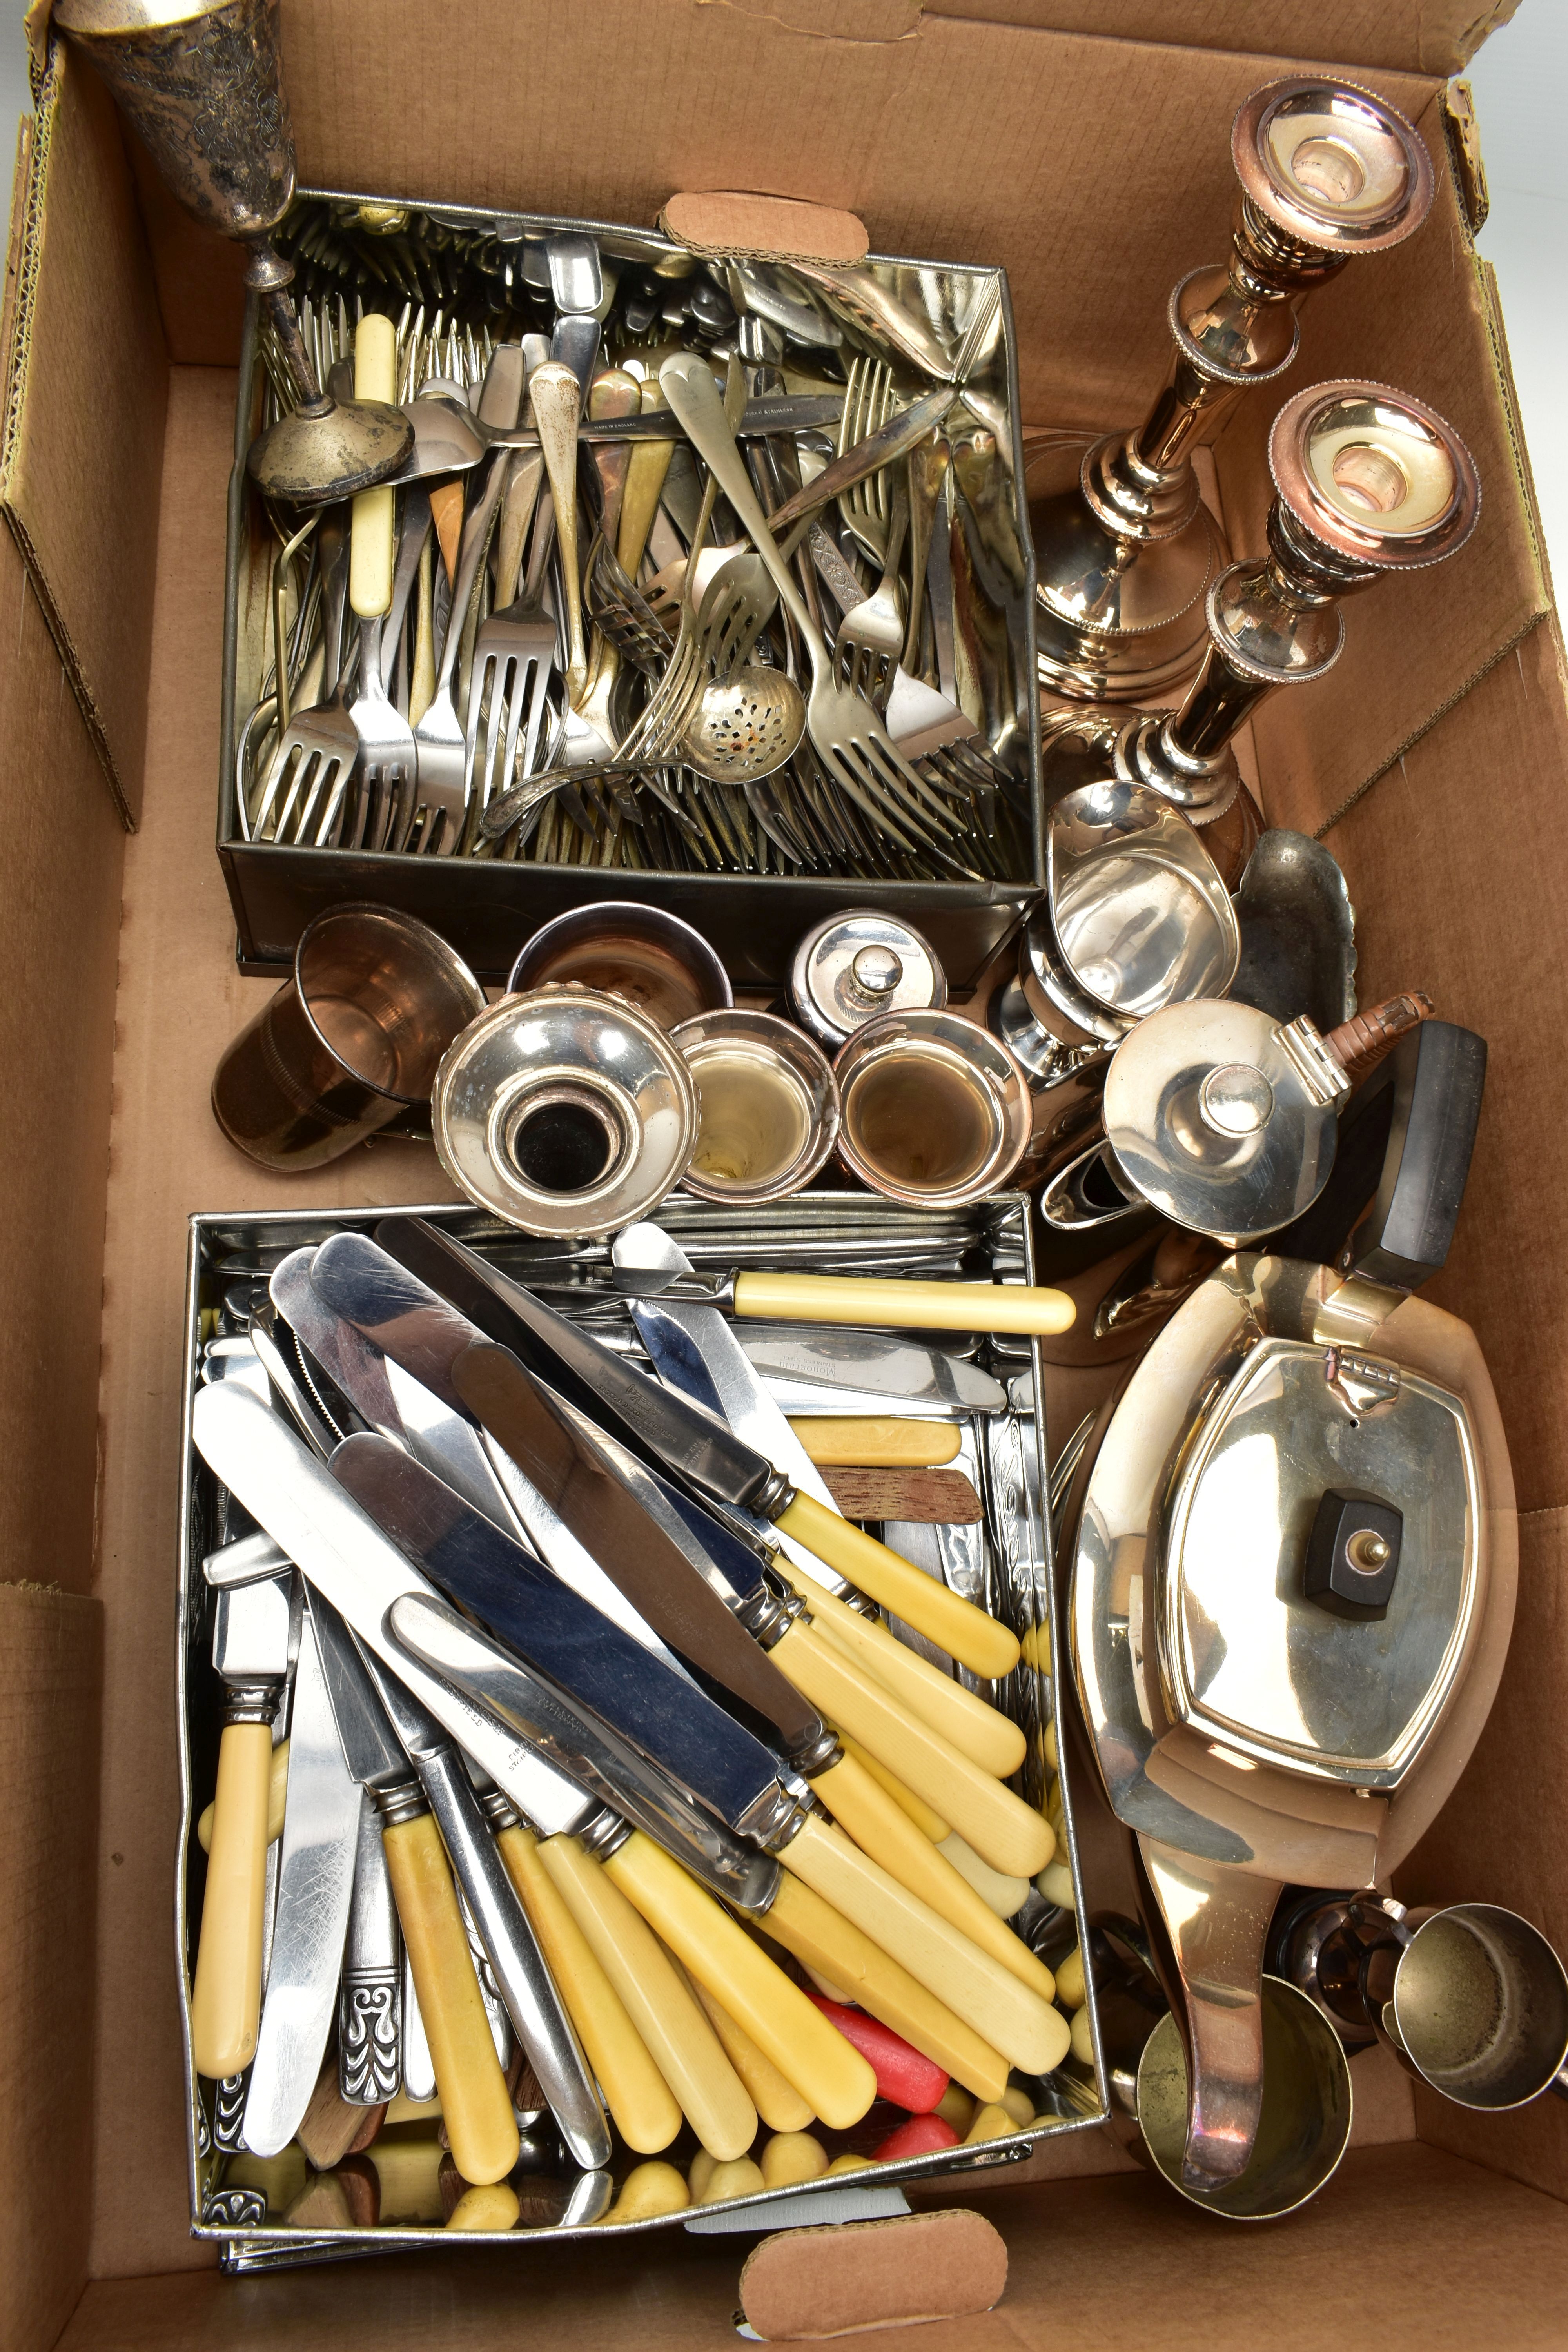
{"type": "Point", "coordinates": [202, 83]}
{"type": "Point", "coordinates": [1127, 552]}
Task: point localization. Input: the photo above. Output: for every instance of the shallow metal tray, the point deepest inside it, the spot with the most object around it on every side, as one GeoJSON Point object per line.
{"type": "Point", "coordinates": [1009, 1568]}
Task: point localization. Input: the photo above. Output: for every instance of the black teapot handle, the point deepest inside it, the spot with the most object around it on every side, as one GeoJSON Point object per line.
{"type": "Point", "coordinates": [1404, 1142]}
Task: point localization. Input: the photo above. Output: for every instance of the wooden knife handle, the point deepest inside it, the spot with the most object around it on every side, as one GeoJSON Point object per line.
{"type": "Point", "coordinates": [882, 1829]}
{"type": "Point", "coordinates": [905, 1306]}
{"type": "Point", "coordinates": [372, 534]}
{"type": "Point", "coordinates": [1014, 2018]}
{"type": "Point", "coordinates": [834, 2079]}
{"type": "Point", "coordinates": [475, 2102]}
{"type": "Point", "coordinates": [636, 2094]}
{"type": "Point", "coordinates": [1009, 1834]}
{"type": "Point", "coordinates": [956, 1625]}
{"type": "Point", "coordinates": [875, 1441]}
{"type": "Point", "coordinates": [831, 1945]}
{"type": "Point", "coordinates": [967, 1722]}
{"type": "Point", "coordinates": [225, 1997]}
{"type": "Point", "coordinates": [277, 1799]}
{"type": "Point", "coordinates": [678, 2037]}
{"type": "Point", "coordinates": [776, 2100]}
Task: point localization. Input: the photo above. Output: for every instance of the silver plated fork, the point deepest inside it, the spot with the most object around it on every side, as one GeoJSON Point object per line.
{"type": "Point", "coordinates": [850, 740]}
{"type": "Point", "coordinates": [868, 401]}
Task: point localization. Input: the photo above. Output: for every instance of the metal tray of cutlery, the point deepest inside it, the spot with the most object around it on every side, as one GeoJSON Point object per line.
{"type": "Point", "coordinates": [931, 323]}
{"type": "Point", "coordinates": [988, 1385]}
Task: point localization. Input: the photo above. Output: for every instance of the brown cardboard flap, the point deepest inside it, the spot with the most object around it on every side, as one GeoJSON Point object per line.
{"type": "Point", "coordinates": [804, 2286]}
{"type": "Point", "coordinates": [1116, 2265]}
{"type": "Point", "coordinates": [1460, 889]}
{"type": "Point", "coordinates": [727, 223]}
{"type": "Point", "coordinates": [1433, 37]}
{"type": "Point", "coordinates": [52, 1645]}
{"type": "Point", "coordinates": [86, 383]}
{"type": "Point", "coordinates": [1420, 317]}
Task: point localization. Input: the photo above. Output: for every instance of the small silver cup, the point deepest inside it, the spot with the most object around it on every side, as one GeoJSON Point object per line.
{"type": "Point", "coordinates": [349, 1044]}
{"type": "Point", "coordinates": [650, 958]}
{"type": "Point", "coordinates": [768, 1102]}
{"type": "Point", "coordinates": [936, 1111]}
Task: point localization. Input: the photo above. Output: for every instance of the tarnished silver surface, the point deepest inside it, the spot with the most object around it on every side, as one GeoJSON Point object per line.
{"type": "Point", "coordinates": [370, 2002]}
{"type": "Point", "coordinates": [315, 1881]}
{"type": "Point", "coordinates": [857, 964]}
{"type": "Point", "coordinates": [1127, 553]}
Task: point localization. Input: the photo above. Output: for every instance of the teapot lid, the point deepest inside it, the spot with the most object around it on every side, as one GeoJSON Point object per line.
{"type": "Point", "coordinates": [1224, 1119]}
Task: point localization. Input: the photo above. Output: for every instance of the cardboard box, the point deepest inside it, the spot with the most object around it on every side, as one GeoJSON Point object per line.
{"type": "Point", "coordinates": [1082, 144]}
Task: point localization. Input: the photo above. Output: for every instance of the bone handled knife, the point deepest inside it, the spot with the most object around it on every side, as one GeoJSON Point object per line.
{"type": "Point", "coordinates": [315, 1882]}
{"type": "Point", "coordinates": [527, 1739]}
{"type": "Point", "coordinates": [527, 1989]}
{"type": "Point", "coordinates": [474, 2100]}
{"type": "Point", "coordinates": [250, 1652]}
{"type": "Point", "coordinates": [718, 1762]}
{"type": "Point", "coordinates": [663, 1427]}
{"type": "Point", "coordinates": [696, 1353]}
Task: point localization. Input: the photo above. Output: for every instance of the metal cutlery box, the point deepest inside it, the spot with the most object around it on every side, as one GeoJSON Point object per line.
{"type": "Point", "coordinates": [1008, 1569]}
{"type": "Point", "coordinates": [488, 908]}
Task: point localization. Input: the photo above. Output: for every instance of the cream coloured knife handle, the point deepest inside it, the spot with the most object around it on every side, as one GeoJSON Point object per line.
{"type": "Point", "coordinates": [371, 530]}
{"type": "Point", "coordinates": [674, 2031]}
{"type": "Point", "coordinates": [1005, 1831]}
{"type": "Point", "coordinates": [967, 1722]}
{"type": "Point", "coordinates": [956, 1625]}
{"type": "Point", "coordinates": [748, 1986]}
{"type": "Point", "coordinates": [475, 2102]}
{"type": "Point", "coordinates": [907, 1306]}
{"type": "Point", "coordinates": [225, 1997]}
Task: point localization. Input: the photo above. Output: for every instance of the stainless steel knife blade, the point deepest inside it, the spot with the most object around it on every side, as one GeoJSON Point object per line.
{"type": "Point", "coordinates": [430, 1630]}
{"type": "Point", "coordinates": [714, 1758]}
{"type": "Point", "coordinates": [874, 1374]}
{"type": "Point", "coordinates": [295, 1498]}
{"type": "Point", "coordinates": [686, 1606]}
{"type": "Point", "coordinates": [315, 1882]}
{"type": "Point", "coordinates": [662, 1427]}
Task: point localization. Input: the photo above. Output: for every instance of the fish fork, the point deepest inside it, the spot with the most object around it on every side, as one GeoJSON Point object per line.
{"type": "Point", "coordinates": [320, 743]}
{"type": "Point", "coordinates": [870, 636]}
{"type": "Point", "coordinates": [851, 741]}
{"type": "Point", "coordinates": [440, 784]}
{"type": "Point", "coordinates": [868, 404]}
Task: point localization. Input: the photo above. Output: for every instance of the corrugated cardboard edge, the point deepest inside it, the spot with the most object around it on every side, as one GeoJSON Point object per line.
{"type": "Point", "coordinates": [22, 262]}
{"type": "Point", "coordinates": [81, 438]}
{"type": "Point", "coordinates": [810, 2285]}
{"type": "Point", "coordinates": [730, 225]}
{"type": "Point", "coordinates": [52, 1644]}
